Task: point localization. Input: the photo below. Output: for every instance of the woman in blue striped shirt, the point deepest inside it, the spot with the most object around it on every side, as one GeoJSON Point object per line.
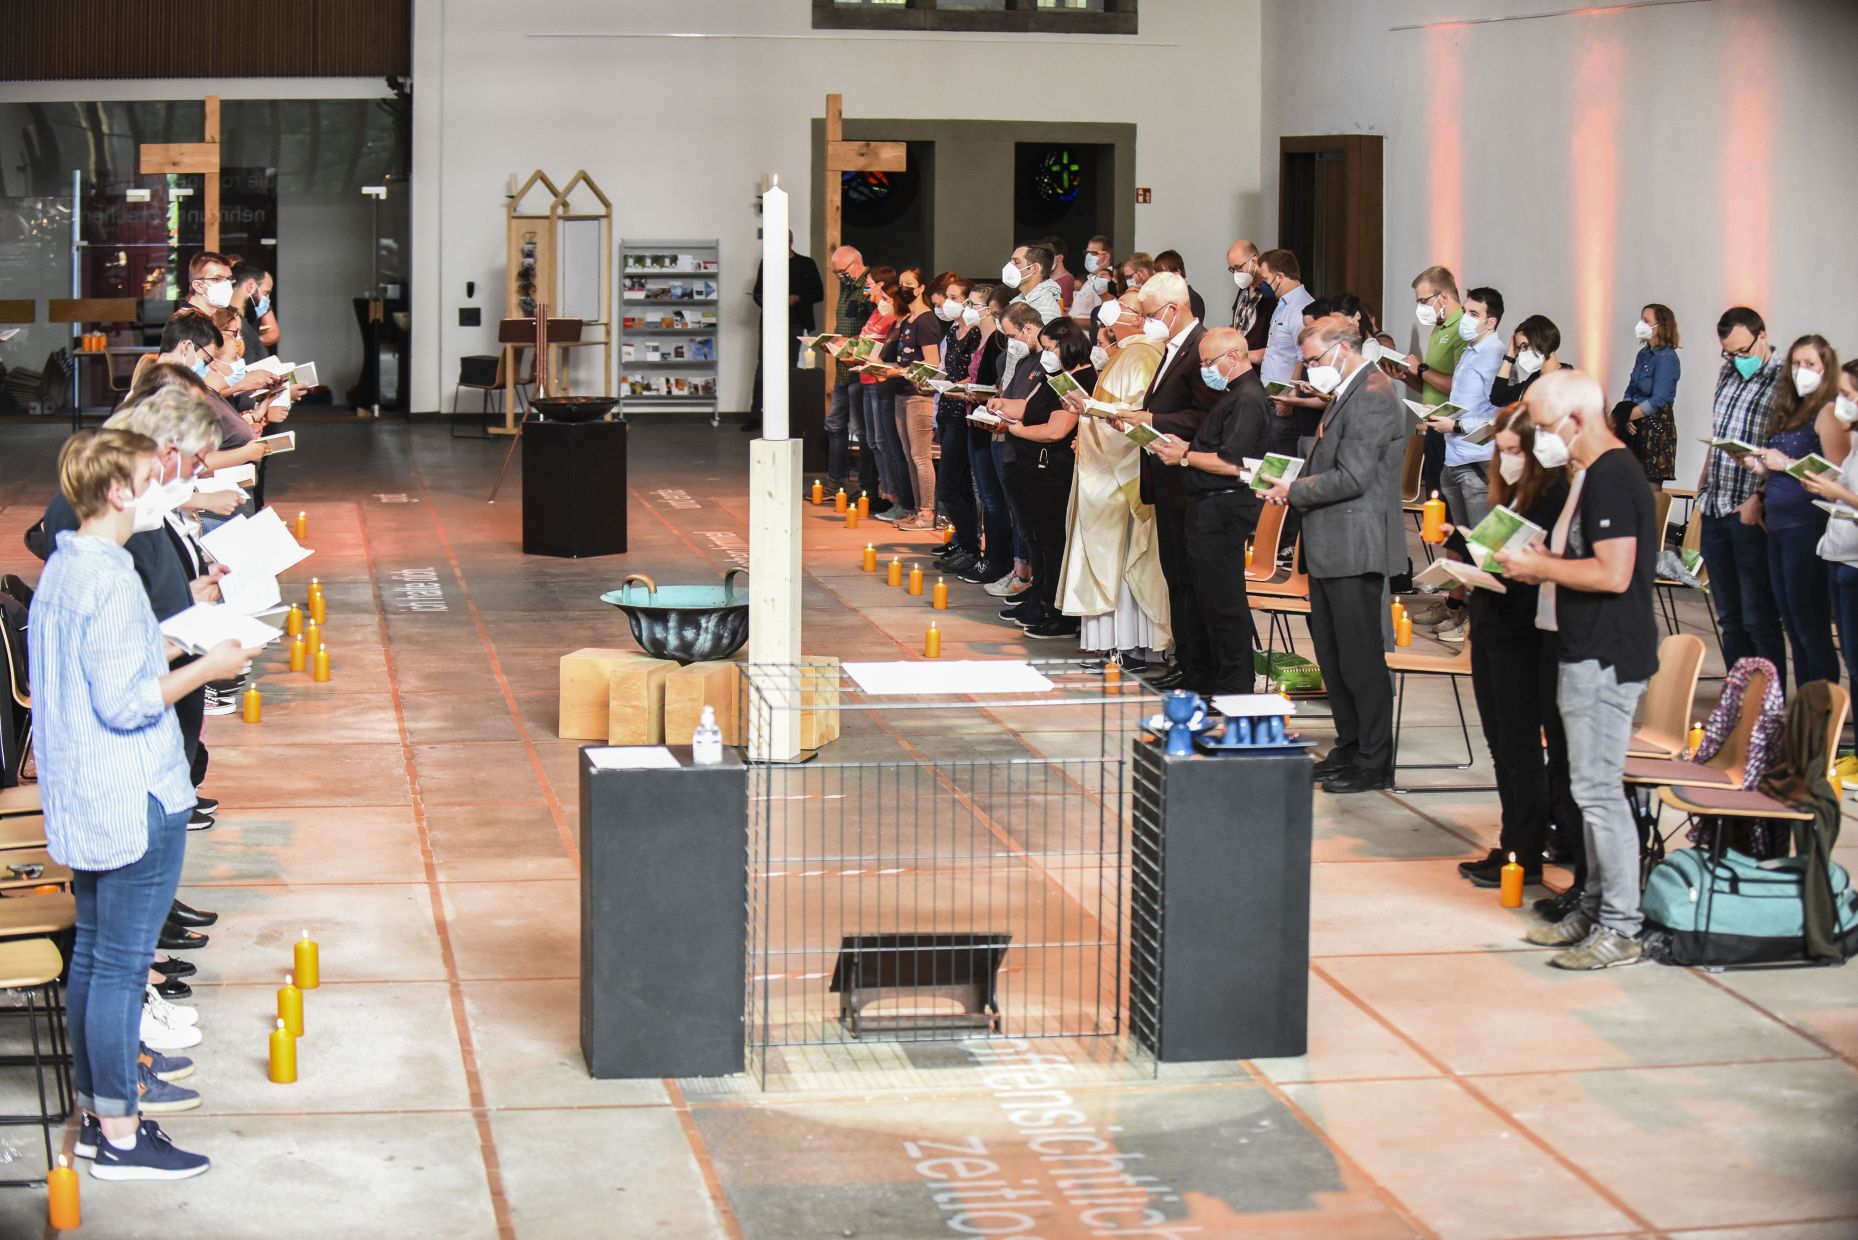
{"type": "Point", "coordinates": [113, 778]}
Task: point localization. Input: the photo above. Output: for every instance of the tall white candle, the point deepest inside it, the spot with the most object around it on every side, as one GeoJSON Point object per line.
{"type": "Point", "coordinates": [777, 349]}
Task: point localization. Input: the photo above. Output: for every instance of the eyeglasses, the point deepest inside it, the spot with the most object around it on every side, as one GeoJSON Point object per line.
{"type": "Point", "coordinates": [1730, 355]}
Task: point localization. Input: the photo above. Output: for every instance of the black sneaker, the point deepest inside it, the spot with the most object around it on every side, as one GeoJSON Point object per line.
{"type": "Point", "coordinates": [197, 821]}
{"type": "Point", "coordinates": [1493, 857]}
{"type": "Point", "coordinates": [172, 988]}
{"type": "Point", "coordinates": [218, 704]}
{"type": "Point", "coordinates": [1554, 908]}
{"type": "Point", "coordinates": [1058, 626]}
{"type": "Point", "coordinates": [154, 1157]}
{"type": "Point", "coordinates": [1490, 873]}
{"type": "Point", "coordinates": [89, 1132]}
{"type": "Point", "coordinates": [983, 574]}
{"type": "Point", "coordinates": [168, 966]}
{"type": "Point", "coordinates": [206, 805]}
{"type": "Point", "coordinates": [957, 564]}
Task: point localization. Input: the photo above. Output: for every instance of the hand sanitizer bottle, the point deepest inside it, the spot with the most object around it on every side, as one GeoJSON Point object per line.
{"type": "Point", "coordinates": [706, 743]}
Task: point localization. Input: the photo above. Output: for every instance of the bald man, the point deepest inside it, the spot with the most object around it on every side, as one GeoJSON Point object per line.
{"type": "Point", "coordinates": [852, 309]}
{"type": "Point", "coordinates": [1251, 306]}
{"type": "Point", "coordinates": [1222, 508]}
{"type": "Point", "coordinates": [1596, 576]}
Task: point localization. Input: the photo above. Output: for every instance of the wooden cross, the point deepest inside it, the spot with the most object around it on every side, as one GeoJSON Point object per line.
{"type": "Point", "coordinates": [200, 157]}
{"type": "Point", "coordinates": [843, 157]}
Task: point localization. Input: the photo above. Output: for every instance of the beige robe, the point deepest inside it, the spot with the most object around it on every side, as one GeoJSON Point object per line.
{"type": "Point", "coordinates": [1110, 547]}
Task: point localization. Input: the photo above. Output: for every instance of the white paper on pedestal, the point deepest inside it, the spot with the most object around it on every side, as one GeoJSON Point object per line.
{"type": "Point", "coordinates": [633, 758]}
{"type": "Point", "coordinates": [1252, 705]}
{"type": "Point", "coordinates": [935, 677]}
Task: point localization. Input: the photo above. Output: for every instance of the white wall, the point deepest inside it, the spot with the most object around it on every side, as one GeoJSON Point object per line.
{"type": "Point", "coordinates": [680, 130]}
{"type": "Point", "coordinates": [1698, 154]}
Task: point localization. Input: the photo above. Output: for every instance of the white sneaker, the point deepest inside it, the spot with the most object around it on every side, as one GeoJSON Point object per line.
{"type": "Point", "coordinates": [164, 1037]}
{"type": "Point", "coordinates": [1453, 630]}
{"type": "Point", "coordinates": [217, 705]}
{"type": "Point", "coordinates": [1017, 586]}
{"type": "Point", "coordinates": [1002, 587]}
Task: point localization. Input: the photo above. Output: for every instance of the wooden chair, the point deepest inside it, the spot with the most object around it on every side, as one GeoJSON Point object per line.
{"type": "Point", "coordinates": [1665, 589]}
{"type": "Point", "coordinates": [31, 967]}
{"type": "Point", "coordinates": [25, 916]}
{"type": "Point", "coordinates": [1265, 541]}
{"type": "Point", "coordinates": [1455, 668]}
{"type": "Point", "coordinates": [21, 800]}
{"type": "Point", "coordinates": [16, 686]}
{"type": "Point", "coordinates": [50, 874]}
{"type": "Point", "coordinates": [1664, 724]}
{"type": "Point", "coordinates": [22, 831]}
{"type": "Point", "coordinates": [1739, 802]}
{"type": "Point", "coordinates": [1726, 766]}
{"type": "Point", "coordinates": [1412, 487]}
{"type": "Point", "coordinates": [1284, 595]}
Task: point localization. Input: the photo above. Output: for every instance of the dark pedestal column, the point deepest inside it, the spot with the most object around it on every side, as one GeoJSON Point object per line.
{"type": "Point", "coordinates": [664, 922]}
{"type": "Point", "coordinates": [1220, 905]}
{"type": "Point", "coordinates": [574, 488]}
{"type": "Point", "coordinates": [806, 416]}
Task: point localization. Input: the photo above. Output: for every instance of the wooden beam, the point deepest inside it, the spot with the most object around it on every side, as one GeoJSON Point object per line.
{"type": "Point", "coordinates": [844, 156]}
{"type": "Point", "coordinates": [91, 310]}
{"type": "Point", "coordinates": [835, 133]}
{"type": "Point", "coordinates": [17, 310]}
{"type": "Point", "coordinates": [160, 158]}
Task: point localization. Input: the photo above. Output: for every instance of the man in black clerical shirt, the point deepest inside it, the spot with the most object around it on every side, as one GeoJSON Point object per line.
{"type": "Point", "coordinates": [1222, 509]}
{"type": "Point", "coordinates": [804, 291]}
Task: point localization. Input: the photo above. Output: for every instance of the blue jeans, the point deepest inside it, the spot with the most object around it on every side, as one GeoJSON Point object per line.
{"type": "Point", "coordinates": [1737, 557]}
{"type": "Point", "coordinates": [119, 917]}
{"type": "Point", "coordinates": [839, 433]}
{"type": "Point", "coordinates": [996, 521]}
{"type": "Point", "coordinates": [848, 403]}
{"type": "Point", "coordinates": [1799, 579]}
{"type": "Point", "coordinates": [1021, 554]}
{"type": "Point", "coordinates": [893, 462]}
{"type": "Point", "coordinates": [1842, 583]}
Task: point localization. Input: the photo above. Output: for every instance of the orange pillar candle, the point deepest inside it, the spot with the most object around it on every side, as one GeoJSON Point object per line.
{"type": "Point", "coordinates": [293, 622]}
{"type": "Point", "coordinates": [254, 705]}
{"type": "Point", "coordinates": [61, 1191]}
{"type": "Point", "coordinates": [1512, 876]}
{"type": "Point", "coordinates": [1432, 519]}
{"type": "Point", "coordinates": [932, 642]}
{"type": "Point", "coordinates": [939, 600]}
{"type": "Point", "coordinates": [307, 958]}
{"type": "Point", "coordinates": [819, 491]}
{"type": "Point", "coordinates": [283, 1055]}
{"type": "Point", "coordinates": [1248, 555]}
{"type": "Point", "coordinates": [1695, 737]}
{"type": "Point", "coordinates": [312, 639]}
{"type": "Point", "coordinates": [316, 589]}
{"type": "Point", "coordinates": [893, 576]}
{"type": "Point", "coordinates": [1403, 631]}
{"type": "Point", "coordinates": [299, 655]}
{"type": "Point", "coordinates": [870, 558]}
{"type": "Point", "coordinates": [864, 503]}
{"type": "Point", "coordinates": [301, 528]}
{"type": "Point", "coordinates": [948, 535]}
{"type": "Point", "coordinates": [290, 1007]}
{"type": "Point", "coordinates": [851, 517]}
{"type": "Point", "coordinates": [1399, 610]}
{"type": "Point", "coordinates": [839, 501]}
{"type": "Point", "coordinates": [916, 580]}
{"type": "Point", "coordinates": [321, 673]}
{"type": "Point", "coordinates": [319, 606]}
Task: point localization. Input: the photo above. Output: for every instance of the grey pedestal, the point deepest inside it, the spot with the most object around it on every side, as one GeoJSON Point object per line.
{"type": "Point", "coordinates": [1220, 905]}
{"type": "Point", "coordinates": [664, 864]}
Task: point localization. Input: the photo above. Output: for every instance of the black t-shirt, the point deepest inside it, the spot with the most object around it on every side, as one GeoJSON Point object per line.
{"type": "Point", "coordinates": [1041, 403]}
{"type": "Point", "coordinates": [1616, 629]}
{"type": "Point", "coordinates": [1237, 427]}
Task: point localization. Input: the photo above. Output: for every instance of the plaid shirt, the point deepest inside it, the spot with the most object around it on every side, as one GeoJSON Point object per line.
{"type": "Point", "coordinates": [1741, 409]}
{"type": "Point", "coordinates": [852, 309]}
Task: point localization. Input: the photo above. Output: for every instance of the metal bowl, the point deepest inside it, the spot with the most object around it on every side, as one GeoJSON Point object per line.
{"type": "Point", "coordinates": [574, 408]}
{"type": "Point", "coordinates": [692, 624]}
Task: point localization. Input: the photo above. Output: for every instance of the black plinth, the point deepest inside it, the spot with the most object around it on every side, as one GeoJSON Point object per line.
{"type": "Point", "coordinates": [664, 923]}
{"type": "Point", "coordinates": [574, 488]}
{"type": "Point", "coordinates": [806, 416]}
{"type": "Point", "coordinates": [1220, 905]}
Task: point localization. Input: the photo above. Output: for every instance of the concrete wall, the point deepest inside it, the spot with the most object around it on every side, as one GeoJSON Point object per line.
{"type": "Point", "coordinates": [1698, 154]}
{"type": "Point", "coordinates": [679, 131]}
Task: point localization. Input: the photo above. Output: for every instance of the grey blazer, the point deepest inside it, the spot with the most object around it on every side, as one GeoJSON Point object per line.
{"type": "Point", "coordinates": [1349, 491]}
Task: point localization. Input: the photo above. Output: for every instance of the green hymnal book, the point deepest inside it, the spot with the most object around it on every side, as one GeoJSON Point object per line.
{"type": "Point", "coordinates": [1444, 409]}
{"type": "Point", "coordinates": [1279, 387]}
{"type": "Point", "coordinates": [1275, 468]}
{"type": "Point", "coordinates": [1734, 447]}
{"type": "Point", "coordinates": [1142, 434]}
{"type": "Point", "coordinates": [1443, 574]}
{"type": "Point", "coordinates": [920, 373]}
{"type": "Point", "coordinates": [1502, 529]}
{"type": "Point", "coordinates": [1063, 384]}
{"type": "Point", "coordinates": [1812, 463]}
{"type": "Point", "coordinates": [1838, 512]}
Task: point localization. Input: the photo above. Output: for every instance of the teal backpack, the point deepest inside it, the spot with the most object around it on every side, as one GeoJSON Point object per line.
{"type": "Point", "coordinates": [1733, 910]}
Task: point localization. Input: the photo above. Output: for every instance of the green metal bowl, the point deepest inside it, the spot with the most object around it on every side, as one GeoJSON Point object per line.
{"type": "Point", "coordinates": [692, 624]}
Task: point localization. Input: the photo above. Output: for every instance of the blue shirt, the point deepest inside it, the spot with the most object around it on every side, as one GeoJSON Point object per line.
{"type": "Point", "coordinates": [1281, 354]}
{"type": "Point", "coordinates": [1654, 378]}
{"type": "Point", "coordinates": [1477, 370]}
{"type": "Point", "coordinates": [105, 740]}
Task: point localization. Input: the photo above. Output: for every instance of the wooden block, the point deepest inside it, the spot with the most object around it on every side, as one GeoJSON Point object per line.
{"type": "Point", "coordinates": [584, 690]}
{"type": "Point", "coordinates": [91, 310]}
{"type": "Point", "coordinates": [688, 689]}
{"type": "Point", "coordinates": [635, 701]}
{"type": "Point", "coordinates": [819, 701]}
{"type": "Point", "coordinates": [17, 310]}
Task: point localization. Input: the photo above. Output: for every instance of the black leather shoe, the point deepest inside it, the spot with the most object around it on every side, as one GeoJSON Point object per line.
{"type": "Point", "coordinates": [1556, 907]}
{"type": "Point", "coordinates": [1169, 679]}
{"type": "Point", "coordinates": [1337, 760]}
{"type": "Point", "coordinates": [174, 988]}
{"type": "Point", "coordinates": [179, 939]}
{"type": "Point", "coordinates": [1358, 779]}
{"type": "Point", "coordinates": [168, 966]}
{"type": "Point", "coordinates": [206, 805]}
{"type": "Point", "coordinates": [1490, 874]}
{"type": "Point", "coordinates": [1493, 857]}
{"type": "Point", "coordinates": [181, 915]}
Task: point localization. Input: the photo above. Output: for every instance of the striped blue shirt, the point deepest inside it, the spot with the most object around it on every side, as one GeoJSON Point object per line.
{"type": "Point", "coordinates": [105, 740]}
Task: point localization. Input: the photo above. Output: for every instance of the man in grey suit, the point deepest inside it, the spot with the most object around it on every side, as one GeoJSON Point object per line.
{"type": "Point", "coordinates": [1349, 495]}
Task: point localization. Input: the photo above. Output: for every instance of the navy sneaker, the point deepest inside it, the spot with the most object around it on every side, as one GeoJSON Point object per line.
{"type": "Point", "coordinates": [89, 1132]}
{"type": "Point", "coordinates": [158, 1097]}
{"type": "Point", "coordinates": [169, 1068]}
{"type": "Point", "coordinates": [153, 1158]}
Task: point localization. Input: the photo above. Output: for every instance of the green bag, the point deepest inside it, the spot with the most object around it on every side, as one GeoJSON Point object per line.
{"type": "Point", "coordinates": [1288, 673]}
{"type": "Point", "coordinates": [1733, 909]}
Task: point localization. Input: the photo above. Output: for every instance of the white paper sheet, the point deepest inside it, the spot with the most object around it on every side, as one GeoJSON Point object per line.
{"type": "Point", "coordinates": [216, 483]}
{"type": "Point", "coordinates": [259, 544]}
{"type": "Point", "coordinates": [633, 758]}
{"type": "Point", "coordinates": [205, 625]}
{"type": "Point", "coordinates": [1251, 705]}
{"type": "Point", "coordinates": [236, 473]}
{"type": "Point", "coordinates": [250, 593]}
{"type": "Point", "coordinates": [933, 676]}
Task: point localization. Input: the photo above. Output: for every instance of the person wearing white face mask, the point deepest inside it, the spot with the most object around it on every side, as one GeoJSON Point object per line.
{"type": "Point", "coordinates": [1805, 423]}
{"type": "Point", "coordinates": [1112, 567]}
{"type": "Point", "coordinates": [1838, 547]}
{"type": "Point", "coordinates": [1534, 347]}
{"type": "Point", "coordinates": [1644, 417]}
{"type": "Point", "coordinates": [1464, 476]}
{"type": "Point", "coordinates": [1040, 465]}
{"type": "Point", "coordinates": [209, 281]}
{"type": "Point", "coordinates": [1030, 271]}
{"type": "Point", "coordinates": [1513, 672]}
{"type": "Point", "coordinates": [1251, 305]}
{"type": "Point", "coordinates": [1597, 574]}
{"type": "Point", "coordinates": [1098, 283]}
{"type": "Point", "coordinates": [954, 476]}
{"type": "Point", "coordinates": [114, 779]}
